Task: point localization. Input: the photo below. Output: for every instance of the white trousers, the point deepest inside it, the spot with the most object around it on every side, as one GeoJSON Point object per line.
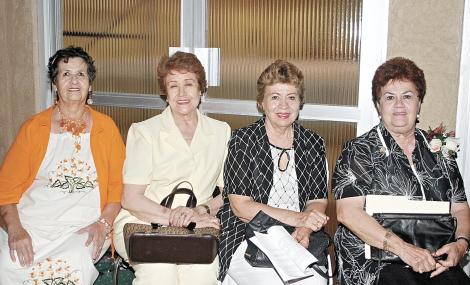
{"type": "Point", "coordinates": [241, 272]}
{"type": "Point", "coordinates": [172, 274]}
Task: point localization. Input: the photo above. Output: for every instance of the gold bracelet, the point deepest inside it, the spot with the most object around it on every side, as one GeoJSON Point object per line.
{"type": "Point", "coordinates": [208, 210]}
{"type": "Point", "coordinates": [107, 227]}
{"type": "Point", "coordinates": [388, 234]}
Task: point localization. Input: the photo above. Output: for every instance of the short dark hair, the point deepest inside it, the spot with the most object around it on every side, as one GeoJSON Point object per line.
{"type": "Point", "coordinates": [181, 61]}
{"type": "Point", "coordinates": [64, 55]}
{"type": "Point", "coordinates": [398, 68]}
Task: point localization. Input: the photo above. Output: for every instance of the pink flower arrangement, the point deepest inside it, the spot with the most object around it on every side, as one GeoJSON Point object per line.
{"type": "Point", "coordinates": [443, 143]}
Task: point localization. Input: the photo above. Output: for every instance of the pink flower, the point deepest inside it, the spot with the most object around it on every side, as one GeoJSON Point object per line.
{"type": "Point", "coordinates": [435, 145]}
{"type": "Point", "coordinates": [443, 143]}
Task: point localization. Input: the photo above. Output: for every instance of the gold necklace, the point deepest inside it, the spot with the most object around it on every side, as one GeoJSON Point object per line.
{"type": "Point", "coordinates": [410, 146]}
{"type": "Point", "coordinates": [73, 126]}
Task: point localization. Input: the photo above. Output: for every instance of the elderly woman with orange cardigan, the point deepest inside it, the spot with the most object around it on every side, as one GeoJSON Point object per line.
{"type": "Point", "coordinates": [60, 184]}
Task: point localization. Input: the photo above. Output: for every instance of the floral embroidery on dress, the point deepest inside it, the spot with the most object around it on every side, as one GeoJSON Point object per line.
{"type": "Point", "coordinates": [53, 272]}
{"type": "Point", "coordinates": [72, 176]}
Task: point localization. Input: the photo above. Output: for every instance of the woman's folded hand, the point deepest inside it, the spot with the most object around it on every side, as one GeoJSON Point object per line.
{"type": "Point", "coordinates": [181, 216]}
{"type": "Point", "coordinates": [206, 220]}
{"type": "Point", "coordinates": [313, 220]}
{"type": "Point", "coordinates": [302, 236]}
{"type": "Point", "coordinates": [454, 252]}
{"type": "Point", "coordinates": [419, 259]}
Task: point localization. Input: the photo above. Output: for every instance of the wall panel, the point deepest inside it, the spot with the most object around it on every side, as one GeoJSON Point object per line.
{"type": "Point", "coordinates": [125, 37]}
{"type": "Point", "coordinates": [321, 37]}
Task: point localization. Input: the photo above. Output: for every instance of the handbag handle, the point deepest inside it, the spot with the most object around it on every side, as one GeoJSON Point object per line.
{"type": "Point", "coordinates": [168, 201]}
{"type": "Point", "coordinates": [192, 200]}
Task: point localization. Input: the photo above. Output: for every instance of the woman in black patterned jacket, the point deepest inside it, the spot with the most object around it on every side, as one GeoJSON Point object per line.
{"type": "Point", "coordinates": [394, 158]}
{"type": "Point", "coordinates": [273, 165]}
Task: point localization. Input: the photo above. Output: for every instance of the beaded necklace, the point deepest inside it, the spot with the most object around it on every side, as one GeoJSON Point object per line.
{"type": "Point", "coordinates": [74, 126]}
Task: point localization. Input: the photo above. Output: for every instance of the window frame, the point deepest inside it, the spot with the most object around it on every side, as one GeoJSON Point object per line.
{"type": "Point", "coordinates": [463, 103]}
{"type": "Point", "coordinates": [194, 35]}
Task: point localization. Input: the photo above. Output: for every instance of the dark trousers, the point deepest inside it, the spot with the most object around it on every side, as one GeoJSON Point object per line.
{"type": "Point", "coordinates": [396, 274]}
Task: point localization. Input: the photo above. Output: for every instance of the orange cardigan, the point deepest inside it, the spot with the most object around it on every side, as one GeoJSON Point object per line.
{"type": "Point", "coordinates": [22, 162]}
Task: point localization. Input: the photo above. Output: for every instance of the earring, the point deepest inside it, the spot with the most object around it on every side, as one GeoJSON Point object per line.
{"type": "Point", "coordinates": [89, 101]}
{"type": "Point", "coordinates": [56, 101]}
{"type": "Point", "coordinates": [417, 118]}
{"type": "Point", "coordinates": [380, 117]}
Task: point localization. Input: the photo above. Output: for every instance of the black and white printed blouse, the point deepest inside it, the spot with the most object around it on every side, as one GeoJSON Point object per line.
{"type": "Point", "coordinates": [374, 164]}
{"type": "Point", "coordinates": [249, 170]}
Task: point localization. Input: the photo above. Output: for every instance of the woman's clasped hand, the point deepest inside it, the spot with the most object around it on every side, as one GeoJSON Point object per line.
{"type": "Point", "coordinates": [181, 216]}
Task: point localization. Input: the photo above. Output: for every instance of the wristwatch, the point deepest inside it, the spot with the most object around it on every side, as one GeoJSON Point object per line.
{"type": "Point", "coordinates": [465, 239]}
{"type": "Point", "coordinates": [208, 210]}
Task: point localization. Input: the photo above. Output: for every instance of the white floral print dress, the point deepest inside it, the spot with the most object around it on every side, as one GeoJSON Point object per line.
{"type": "Point", "coordinates": [63, 198]}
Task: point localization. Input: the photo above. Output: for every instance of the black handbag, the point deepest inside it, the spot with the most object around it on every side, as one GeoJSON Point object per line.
{"type": "Point", "coordinates": [157, 244]}
{"type": "Point", "coordinates": [429, 231]}
{"type": "Point", "coordinates": [318, 243]}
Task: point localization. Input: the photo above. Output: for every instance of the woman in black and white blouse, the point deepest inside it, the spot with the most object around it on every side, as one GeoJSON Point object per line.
{"type": "Point", "coordinates": [394, 158]}
{"type": "Point", "coordinates": [273, 165]}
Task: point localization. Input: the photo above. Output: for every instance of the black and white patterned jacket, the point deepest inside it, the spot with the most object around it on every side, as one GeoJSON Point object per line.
{"type": "Point", "coordinates": [249, 171]}
{"type": "Point", "coordinates": [365, 168]}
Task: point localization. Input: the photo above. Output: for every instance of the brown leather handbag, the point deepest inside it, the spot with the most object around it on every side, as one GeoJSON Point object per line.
{"type": "Point", "coordinates": [159, 244]}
